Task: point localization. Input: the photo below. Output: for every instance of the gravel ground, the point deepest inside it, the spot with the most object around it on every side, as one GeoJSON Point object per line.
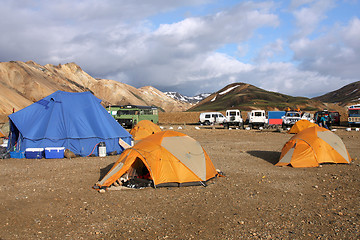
{"type": "Point", "coordinates": [53, 198]}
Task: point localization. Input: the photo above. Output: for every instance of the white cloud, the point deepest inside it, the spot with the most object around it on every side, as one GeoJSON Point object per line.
{"type": "Point", "coordinates": [308, 16]}
{"type": "Point", "coordinates": [297, 3]}
{"type": "Point", "coordinates": [269, 51]}
{"type": "Point", "coordinates": [351, 34]}
{"type": "Point", "coordinates": [117, 40]}
{"type": "Point", "coordinates": [332, 54]}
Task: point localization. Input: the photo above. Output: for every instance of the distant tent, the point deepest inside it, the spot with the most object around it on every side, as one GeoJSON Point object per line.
{"type": "Point", "coordinates": [301, 125]}
{"type": "Point", "coordinates": [76, 121]}
{"type": "Point", "coordinates": [313, 146]}
{"type": "Point", "coordinates": [169, 158]}
{"type": "Point", "coordinates": [144, 129]}
{"type": "Point", "coordinates": [1, 134]}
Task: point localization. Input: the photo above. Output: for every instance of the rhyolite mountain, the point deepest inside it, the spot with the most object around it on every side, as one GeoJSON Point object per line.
{"type": "Point", "coordinates": [23, 83]}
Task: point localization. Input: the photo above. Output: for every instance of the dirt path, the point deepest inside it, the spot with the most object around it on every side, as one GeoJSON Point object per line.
{"type": "Point", "coordinates": [53, 199]}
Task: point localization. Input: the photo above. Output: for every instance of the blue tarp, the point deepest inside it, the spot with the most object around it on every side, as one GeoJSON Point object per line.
{"type": "Point", "coordinates": [76, 121]}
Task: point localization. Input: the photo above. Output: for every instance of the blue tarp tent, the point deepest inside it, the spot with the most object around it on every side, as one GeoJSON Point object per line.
{"type": "Point", "coordinates": [76, 121]}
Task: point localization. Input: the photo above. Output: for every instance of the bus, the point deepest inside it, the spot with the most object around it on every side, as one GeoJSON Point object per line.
{"type": "Point", "coordinates": [354, 115]}
{"type": "Point", "coordinates": [129, 115]}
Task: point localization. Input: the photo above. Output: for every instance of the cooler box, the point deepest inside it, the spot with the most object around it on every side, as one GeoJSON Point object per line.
{"type": "Point", "coordinates": [54, 152]}
{"type": "Point", "coordinates": [17, 154]}
{"type": "Point", "coordinates": [34, 153]}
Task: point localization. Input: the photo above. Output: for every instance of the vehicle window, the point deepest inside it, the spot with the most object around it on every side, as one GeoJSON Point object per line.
{"type": "Point", "coordinates": [354, 112]}
{"type": "Point", "coordinates": [207, 116]}
{"type": "Point", "coordinates": [233, 113]}
{"type": "Point", "coordinates": [125, 112]}
{"type": "Point", "coordinates": [293, 114]}
{"type": "Point", "coordinates": [147, 111]}
{"type": "Point", "coordinates": [258, 114]}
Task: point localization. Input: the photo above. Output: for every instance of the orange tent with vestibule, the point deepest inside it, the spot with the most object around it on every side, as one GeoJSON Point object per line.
{"type": "Point", "coordinates": [313, 146]}
{"type": "Point", "coordinates": [143, 129]}
{"type": "Point", "coordinates": [301, 125]}
{"type": "Point", "coordinates": [169, 158]}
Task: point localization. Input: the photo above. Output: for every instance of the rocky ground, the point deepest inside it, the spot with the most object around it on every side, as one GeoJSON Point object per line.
{"type": "Point", "coordinates": [53, 199]}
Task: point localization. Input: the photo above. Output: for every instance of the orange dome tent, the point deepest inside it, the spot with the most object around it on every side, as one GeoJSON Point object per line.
{"type": "Point", "coordinates": [143, 129]}
{"type": "Point", "coordinates": [301, 125]}
{"type": "Point", "coordinates": [313, 146]}
{"type": "Point", "coordinates": [169, 158]}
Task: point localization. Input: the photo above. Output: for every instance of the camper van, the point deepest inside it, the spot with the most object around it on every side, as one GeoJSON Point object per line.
{"type": "Point", "coordinates": [208, 118]}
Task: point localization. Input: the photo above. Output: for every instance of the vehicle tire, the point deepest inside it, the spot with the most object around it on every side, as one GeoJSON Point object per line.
{"type": "Point", "coordinates": [207, 122]}
{"type": "Point", "coordinates": [250, 125]}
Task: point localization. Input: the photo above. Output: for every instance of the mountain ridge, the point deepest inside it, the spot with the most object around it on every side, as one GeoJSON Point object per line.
{"type": "Point", "coordinates": [346, 95]}
{"type": "Point", "coordinates": [245, 96]}
{"type": "Point", "coordinates": [23, 83]}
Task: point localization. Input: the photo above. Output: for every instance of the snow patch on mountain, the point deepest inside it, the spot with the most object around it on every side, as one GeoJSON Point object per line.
{"type": "Point", "coordinates": [193, 100]}
{"type": "Point", "coordinates": [228, 90]}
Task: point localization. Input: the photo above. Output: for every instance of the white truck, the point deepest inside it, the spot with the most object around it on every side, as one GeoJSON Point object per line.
{"type": "Point", "coordinates": [290, 119]}
{"type": "Point", "coordinates": [233, 118]}
{"type": "Point", "coordinates": [307, 116]}
{"type": "Point", "coordinates": [256, 118]}
{"type": "Point", "coordinates": [208, 118]}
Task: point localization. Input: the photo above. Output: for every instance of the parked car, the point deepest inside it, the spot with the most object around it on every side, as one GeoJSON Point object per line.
{"type": "Point", "coordinates": [290, 119]}
{"type": "Point", "coordinates": [208, 118]}
{"type": "Point", "coordinates": [256, 118]}
{"type": "Point", "coordinates": [233, 118]}
{"type": "Point", "coordinates": [307, 116]}
{"type": "Point", "coordinates": [331, 117]}
{"type": "Point", "coordinates": [335, 117]}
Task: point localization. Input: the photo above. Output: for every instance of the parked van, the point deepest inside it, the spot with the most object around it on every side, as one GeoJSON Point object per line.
{"type": "Point", "coordinates": [208, 118]}
{"type": "Point", "coordinates": [256, 118]}
{"type": "Point", "coordinates": [233, 118]}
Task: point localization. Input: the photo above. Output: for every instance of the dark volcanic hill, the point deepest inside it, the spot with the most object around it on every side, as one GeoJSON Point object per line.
{"type": "Point", "coordinates": [247, 97]}
{"type": "Point", "coordinates": [347, 95]}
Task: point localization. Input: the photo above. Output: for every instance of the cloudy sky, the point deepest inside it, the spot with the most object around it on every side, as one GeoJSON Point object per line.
{"type": "Point", "coordinates": [300, 47]}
